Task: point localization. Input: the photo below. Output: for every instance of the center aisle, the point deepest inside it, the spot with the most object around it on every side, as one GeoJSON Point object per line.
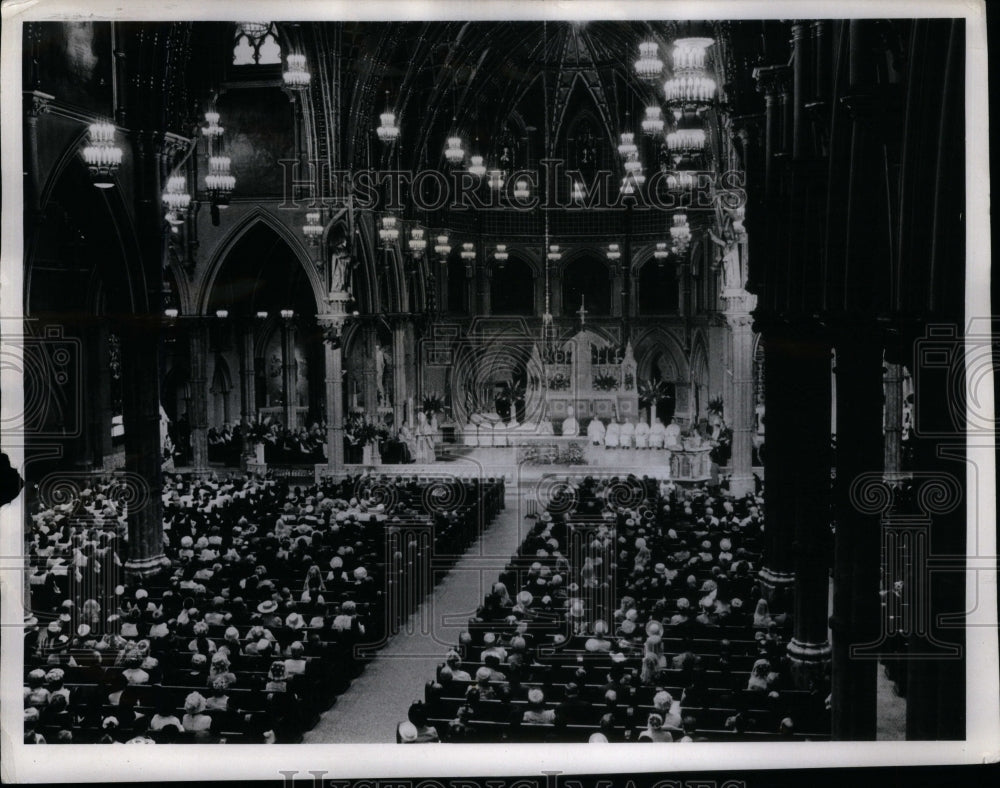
{"type": "Point", "coordinates": [376, 701]}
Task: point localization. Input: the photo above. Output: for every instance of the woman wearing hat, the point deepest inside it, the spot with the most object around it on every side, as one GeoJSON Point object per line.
{"type": "Point", "coordinates": [536, 713]}
{"type": "Point", "coordinates": [654, 730]}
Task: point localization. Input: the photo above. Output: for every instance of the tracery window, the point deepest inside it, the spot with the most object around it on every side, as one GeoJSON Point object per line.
{"type": "Point", "coordinates": [256, 44]}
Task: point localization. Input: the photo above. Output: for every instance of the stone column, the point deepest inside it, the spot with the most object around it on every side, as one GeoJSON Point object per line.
{"type": "Point", "coordinates": [802, 86]}
{"type": "Point", "coordinates": [101, 393]}
{"type": "Point", "coordinates": [808, 485]}
{"type": "Point", "coordinates": [780, 456]}
{"type": "Point", "coordinates": [740, 408]}
{"type": "Point", "coordinates": [857, 555]}
{"type": "Point", "coordinates": [485, 293]}
{"type": "Point", "coordinates": [401, 384]}
{"type": "Point", "coordinates": [893, 418]}
{"type": "Point", "coordinates": [288, 372]}
{"type": "Point", "coordinates": [198, 338]}
{"type": "Point", "coordinates": [141, 397]}
{"type": "Point", "coordinates": [248, 392]}
{"type": "Point", "coordinates": [370, 386]}
{"type": "Point", "coordinates": [770, 82]}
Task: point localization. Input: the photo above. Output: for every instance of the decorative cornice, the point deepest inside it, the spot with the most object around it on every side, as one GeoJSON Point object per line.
{"type": "Point", "coordinates": [773, 80]}
{"type": "Point", "coordinates": [40, 103]}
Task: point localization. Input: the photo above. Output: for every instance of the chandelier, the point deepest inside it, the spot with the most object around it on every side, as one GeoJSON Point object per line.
{"type": "Point", "coordinates": [501, 255]}
{"type": "Point", "coordinates": [684, 177]}
{"type": "Point", "coordinates": [554, 255]}
{"type": "Point", "coordinates": [578, 195]}
{"type": "Point", "coordinates": [634, 168]}
{"type": "Point", "coordinates": [495, 179]}
{"type": "Point", "coordinates": [454, 153]}
{"type": "Point", "coordinates": [102, 156]}
{"type": "Point", "coordinates": [296, 77]}
{"type": "Point", "coordinates": [468, 252]}
{"type": "Point", "coordinates": [476, 166]}
{"type": "Point", "coordinates": [442, 247]}
{"type": "Point", "coordinates": [649, 66]}
{"type": "Point", "coordinates": [213, 129]}
{"type": "Point", "coordinates": [688, 136]}
{"type": "Point", "coordinates": [387, 131]}
{"type": "Point", "coordinates": [521, 191]}
{"type": "Point", "coordinates": [680, 233]}
{"type": "Point", "coordinates": [255, 30]}
{"type": "Point", "coordinates": [652, 124]}
{"type": "Point", "coordinates": [176, 198]}
{"type": "Point", "coordinates": [627, 146]}
{"type": "Point", "coordinates": [661, 253]}
{"type": "Point", "coordinates": [219, 182]}
{"type": "Point", "coordinates": [312, 229]}
{"type": "Point", "coordinates": [418, 244]}
{"type": "Point", "coordinates": [628, 185]}
{"type": "Point", "coordinates": [690, 84]}
{"type": "Point", "coordinates": [388, 232]}
{"type": "Point", "coordinates": [613, 253]}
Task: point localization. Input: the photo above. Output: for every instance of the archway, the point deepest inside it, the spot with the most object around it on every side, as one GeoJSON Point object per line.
{"type": "Point", "coordinates": [512, 289]}
{"type": "Point", "coordinates": [657, 289]}
{"type": "Point", "coordinates": [268, 298]}
{"type": "Point", "coordinates": [586, 280]}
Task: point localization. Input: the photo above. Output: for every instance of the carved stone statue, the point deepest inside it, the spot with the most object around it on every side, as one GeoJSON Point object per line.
{"type": "Point", "coordinates": [339, 266]}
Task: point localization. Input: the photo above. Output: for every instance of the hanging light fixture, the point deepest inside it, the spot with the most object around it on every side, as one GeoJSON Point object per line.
{"type": "Point", "coordinates": [649, 66]}
{"type": "Point", "coordinates": [102, 156]}
{"type": "Point", "coordinates": [661, 253]}
{"type": "Point", "coordinates": [219, 182]}
{"type": "Point", "coordinates": [688, 135]}
{"type": "Point", "coordinates": [476, 166]}
{"type": "Point", "coordinates": [387, 130]}
{"type": "Point", "coordinates": [684, 177]}
{"type": "Point", "coordinates": [296, 77]}
{"type": "Point", "coordinates": [627, 145]}
{"type": "Point", "coordinates": [501, 255]}
{"type": "Point", "coordinates": [521, 190]}
{"type": "Point", "coordinates": [442, 247]}
{"type": "Point", "coordinates": [495, 179]}
{"type": "Point", "coordinates": [312, 229]}
{"type": "Point", "coordinates": [628, 185]}
{"type": "Point", "coordinates": [690, 85]}
{"type": "Point", "coordinates": [652, 124]}
{"type": "Point", "coordinates": [213, 129]}
{"type": "Point", "coordinates": [680, 233]}
{"type": "Point", "coordinates": [468, 252]}
{"type": "Point", "coordinates": [614, 253]}
{"type": "Point", "coordinates": [553, 255]}
{"type": "Point", "coordinates": [418, 244]}
{"type": "Point", "coordinates": [176, 199]}
{"type": "Point", "coordinates": [454, 153]}
{"type": "Point", "coordinates": [389, 231]}
{"type": "Point", "coordinates": [578, 195]}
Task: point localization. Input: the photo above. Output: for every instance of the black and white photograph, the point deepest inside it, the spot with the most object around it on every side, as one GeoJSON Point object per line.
{"type": "Point", "coordinates": [508, 377]}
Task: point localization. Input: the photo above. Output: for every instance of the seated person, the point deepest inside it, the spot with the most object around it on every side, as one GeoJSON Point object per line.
{"type": "Point", "coordinates": [672, 435]}
{"type": "Point", "coordinates": [627, 439]}
{"type": "Point", "coordinates": [612, 435]}
{"type": "Point", "coordinates": [595, 432]}
{"type": "Point", "coordinates": [642, 435]}
{"type": "Point", "coordinates": [657, 435]}
{"type": "Point", "coordinates": [536, 713]}
{"type": "Point", "coordinates": [570, 425]}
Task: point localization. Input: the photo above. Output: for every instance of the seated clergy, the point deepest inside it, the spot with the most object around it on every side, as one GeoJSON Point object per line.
{"type": "Point", "coordinates": [672, 435]}
{"type": "Point", "coordinates": [570, 425]}
{"type": "Point", "coordinates": [642, 435]}
{"type": "Point", "coordinates": [627, 438]}
{"type": "Point", "coordinates": [595, 432]}
{"type": "Point", "coordinates": [612, 435]}
{"type": "Point", "coordinates": [657, 435]}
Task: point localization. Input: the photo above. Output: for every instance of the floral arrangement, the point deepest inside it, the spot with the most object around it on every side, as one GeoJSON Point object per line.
{"type": "Point", "coordinates": [367, 431]}
{"type": "Point", "coordinates": [651, 392]}
{"type": "Point", "coordinates": [715, 406]}
{"type": "Point", "coordinates": [258, 429]}
{"type": "Point", "coordinates": [510, 393]}
{"type": "Point", "coordinates": [433, 403]}
{"type": "Point", "coordinates": [552, 454]}
{"type": "Point", "coordinates": [605, 381]}
{"type": "Point", "coordinates": [558, 382]}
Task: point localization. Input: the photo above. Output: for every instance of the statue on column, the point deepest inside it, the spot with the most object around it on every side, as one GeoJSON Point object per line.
{"type": "Point", "coordinates": [339, 268]}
